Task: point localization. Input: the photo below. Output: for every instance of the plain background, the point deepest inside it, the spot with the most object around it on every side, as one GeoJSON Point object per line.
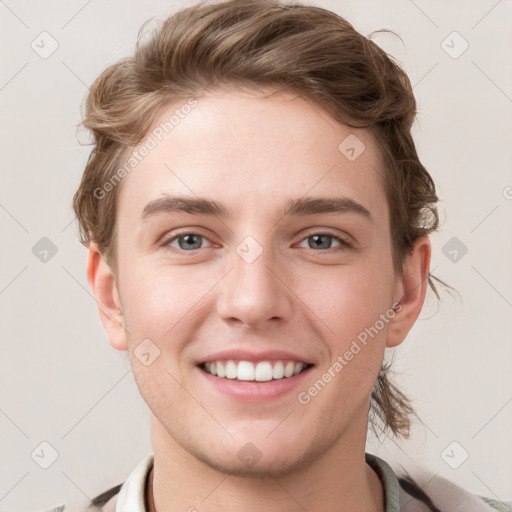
{"type": "Point", "coordinates": [62, 383]}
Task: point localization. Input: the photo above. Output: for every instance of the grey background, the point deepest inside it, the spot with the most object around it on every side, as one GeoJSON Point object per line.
{"type": "Point", "coordinates": [62, 383]}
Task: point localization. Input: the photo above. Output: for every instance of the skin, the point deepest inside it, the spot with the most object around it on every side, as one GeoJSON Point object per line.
{"type": "Point", "coordinates": [253, 152]}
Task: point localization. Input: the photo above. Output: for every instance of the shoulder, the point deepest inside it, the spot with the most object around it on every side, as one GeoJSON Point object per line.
{"type": "Point", "coordinates": [128, 495]}
{"type": "Point", "coordinates": [446, 495]}
{"type": "Point", "coordinates": [501, 506]}
{"type": "Point", "coordinates": [416, 489]}
{"type": "Point", "coordinates": [94, 506]}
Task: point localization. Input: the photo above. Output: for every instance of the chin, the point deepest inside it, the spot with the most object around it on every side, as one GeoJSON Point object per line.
{"type": "Point", "coordinates": [258, 459]}
{"type": "Point", "coordinates": [249, 463]}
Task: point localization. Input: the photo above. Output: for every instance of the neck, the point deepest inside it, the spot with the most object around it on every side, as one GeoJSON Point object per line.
{"type": "Point", "coordinates": [338, 480]}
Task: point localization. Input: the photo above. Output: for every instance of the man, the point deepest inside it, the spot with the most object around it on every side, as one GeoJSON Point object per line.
{"type": "Point", "coordinates": [257, 221]}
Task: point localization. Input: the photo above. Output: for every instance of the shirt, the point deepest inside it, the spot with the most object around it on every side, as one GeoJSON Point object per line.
{"type": "Point", "coordinates": [446, 495]}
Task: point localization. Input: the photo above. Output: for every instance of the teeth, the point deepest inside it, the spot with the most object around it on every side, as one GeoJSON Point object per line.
{"type": "Point", "coordinates": [298, 368]}
{"type": "Point", "coordinates": [261, 372]}
{"type": "Point", "coordinates": [246, 370]}
{"type": "Point", "coordinates": [288, 369]}
{"type": "Point", "coordinates": [278, 370]}
{"type": "Point", "coordinates": [231, 371]}
{"type": "Point", "coordinates": [220, 369]}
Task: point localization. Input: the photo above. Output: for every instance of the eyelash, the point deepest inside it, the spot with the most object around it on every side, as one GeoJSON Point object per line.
{"type": "Point", "coordinates": [344, 244]}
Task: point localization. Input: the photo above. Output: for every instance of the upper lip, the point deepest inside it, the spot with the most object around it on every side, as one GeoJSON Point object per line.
{"type": "Point", "coordinates": [247, 355]}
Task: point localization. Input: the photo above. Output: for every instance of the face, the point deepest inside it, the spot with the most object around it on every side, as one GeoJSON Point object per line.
{"type": "Point", "coordinates": [292, 263]}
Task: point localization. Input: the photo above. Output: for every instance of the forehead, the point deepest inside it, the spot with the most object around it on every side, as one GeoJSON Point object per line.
{"type": "Point", "coordinates": [252, 149]}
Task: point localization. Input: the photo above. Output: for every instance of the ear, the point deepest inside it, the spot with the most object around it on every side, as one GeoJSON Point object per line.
{"type": "Point", "coordinates": [102, 282]}
{"type": "Point", "coordinates": [410, 292]}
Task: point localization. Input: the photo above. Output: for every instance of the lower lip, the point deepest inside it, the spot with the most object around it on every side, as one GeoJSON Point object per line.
{"type": "Point", "coordinates": [253, 390]}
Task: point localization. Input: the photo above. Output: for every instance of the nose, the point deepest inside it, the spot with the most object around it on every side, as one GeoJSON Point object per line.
{"type": "Point", "coordinates": [255, 292]}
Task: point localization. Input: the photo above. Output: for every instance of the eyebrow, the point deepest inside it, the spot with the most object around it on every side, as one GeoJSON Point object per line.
{"type": "Point", "coordinates": [298, 207]}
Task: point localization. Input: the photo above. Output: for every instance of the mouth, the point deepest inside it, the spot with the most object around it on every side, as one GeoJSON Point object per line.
{"type": "Point", "coordinates": [248, 371]}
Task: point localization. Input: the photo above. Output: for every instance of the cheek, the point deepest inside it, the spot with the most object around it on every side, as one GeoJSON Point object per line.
{"type": "Point", "coordinates": [159, 303]}
{"type": "Point", "coordinates": [348, 299]}
{"type": "Point", "coordinates": [158, 300]}
{"type": "Point", "coordinates": [352, 307]}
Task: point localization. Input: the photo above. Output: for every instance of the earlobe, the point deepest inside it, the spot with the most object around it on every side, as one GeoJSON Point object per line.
{"type": "Point", "coordinates": [410, 293]}
{"type": "Point", "coordinates": [102, 282]}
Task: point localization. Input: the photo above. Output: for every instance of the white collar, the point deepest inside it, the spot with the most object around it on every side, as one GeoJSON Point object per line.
{"type": "Point", "coordinates": [131, 496]}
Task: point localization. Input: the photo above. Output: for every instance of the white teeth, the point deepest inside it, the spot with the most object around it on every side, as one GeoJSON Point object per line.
{"type": "Point", "coordinates": [245, 370]}
{"type": "Point", "coordinates": [220, 370]}
{"type": "Point", "coordinates": [298, 368]}
{"type": "Point", "coordinates": [288, 369]}
{"type": "Point", "coordinates": [261, 372]}
{"type": "Point", "coordinates": [231, 370]}
{"type": "Point", "coordinates": [278, 370]}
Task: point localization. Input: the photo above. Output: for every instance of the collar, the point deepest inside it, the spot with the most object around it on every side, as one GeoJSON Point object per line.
{"type": "Point", "coordinates": [131, 497]}
{"type": "Point", "coordinates": [389, 482]}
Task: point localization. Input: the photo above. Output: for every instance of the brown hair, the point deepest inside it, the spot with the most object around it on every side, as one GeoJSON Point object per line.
{"type": "Point", "coordinates": [254, 44]}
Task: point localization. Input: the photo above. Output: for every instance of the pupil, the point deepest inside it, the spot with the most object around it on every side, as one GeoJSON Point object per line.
{"type": "Point", "coordinates": [318, 243]}
{"type": "Point", "coordinates": [189, 240]}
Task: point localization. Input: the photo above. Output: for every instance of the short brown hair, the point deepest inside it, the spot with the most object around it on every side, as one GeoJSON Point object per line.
{"type": "Point", "coordinates": [258, 43]}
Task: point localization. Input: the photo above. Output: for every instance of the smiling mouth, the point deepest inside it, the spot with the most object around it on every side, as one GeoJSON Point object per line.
{"type": "Point", "coordinates": [247, 371]}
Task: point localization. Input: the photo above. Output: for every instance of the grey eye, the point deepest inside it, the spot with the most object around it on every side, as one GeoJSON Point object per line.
{"type": "Point", "coordinates": [189, 241]}
{"type": "Point", "coordinates": [322, 241]}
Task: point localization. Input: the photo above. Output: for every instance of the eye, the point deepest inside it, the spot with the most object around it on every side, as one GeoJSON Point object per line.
{"type": "Point", "coordinates": [186, 241]}
{"type": "Point", "coordinates": [189, 241]}
{"type": "Point", "coordinates": [324, 241]}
